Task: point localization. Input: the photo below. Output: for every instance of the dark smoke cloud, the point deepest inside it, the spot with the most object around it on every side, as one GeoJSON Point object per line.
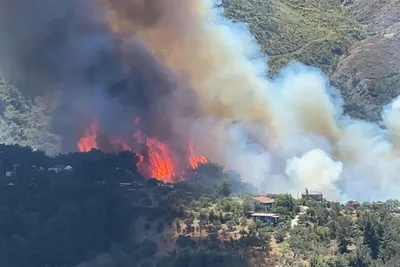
{"type": "Point", "coordinates": [65, 48]}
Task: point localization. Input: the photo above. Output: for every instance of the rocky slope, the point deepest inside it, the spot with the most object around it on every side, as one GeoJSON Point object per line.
{"type": "Point", "coordinates": [355, 42]}
{"type": "Point", "coordinates": [369, 75]}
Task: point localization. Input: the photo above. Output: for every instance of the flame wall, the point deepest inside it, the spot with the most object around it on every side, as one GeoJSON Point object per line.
{"type": "Point", "coordinates": [190, 74]}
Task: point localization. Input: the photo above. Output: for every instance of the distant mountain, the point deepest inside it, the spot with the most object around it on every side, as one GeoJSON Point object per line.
{"type": "Point", "coordinates": [369, 76]}
{"type": "Point", "coordinates": [354, 42]}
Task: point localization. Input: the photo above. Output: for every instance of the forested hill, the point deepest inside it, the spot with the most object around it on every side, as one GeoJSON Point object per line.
{"type": "Point", "coordinates": [355, 42]}
{"type": "Point", "coordinates": [94, 210]}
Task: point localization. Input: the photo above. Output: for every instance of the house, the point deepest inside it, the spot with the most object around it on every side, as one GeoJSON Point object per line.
{"type": "Point", "coordinates": [133, 185]}
{"type": "Point", "coordinates": [10, 173]}
{"type": "Point", "coordinates": [125, 184]}
{"type": "Point", "coordinates": [137, 185]}
{"type": "Point", "coordinates": [60, 168]}
{"type": "Point", "coordinates": [165, 185]}
{"type": "Point", "coordinates": [314, 195]}
{"type": "Point", "coordinates": [396, 210]}
{"type": "Point", "coordinates": [353, 204]}
{"type": "Point", "coordinates": [260, 203]}
{"type": "Point", "coordinates": [266, 217]}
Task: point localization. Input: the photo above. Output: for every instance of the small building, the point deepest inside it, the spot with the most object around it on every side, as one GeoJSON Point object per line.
{"type": "Point", "coordinates": [263, 202]}
{"type": "Point", "coordinates": [353, 204]}
{"type": "Point", "coordinates": [266, 217]}
{"type": "Point", "coordinates": [10, 173]}
{"type": "Point", "coordinates": [314, 195]}
{"type": "Point", "coordinates": [60, 168]}
{"type": "Point", "coordinates": [165, 185]}
{"type": "Point", "coordinates": [132, 185]}
{"type": "Point", "coordinates": [396, 210]}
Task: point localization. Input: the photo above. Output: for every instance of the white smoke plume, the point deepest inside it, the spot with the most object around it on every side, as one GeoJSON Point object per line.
{"type": "Point", "coordinates": [315, 169]}
{"type": "Point", "coordinates": [306, 140]}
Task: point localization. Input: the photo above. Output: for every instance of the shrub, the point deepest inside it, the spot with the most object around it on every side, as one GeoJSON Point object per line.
{"type": "Point", "coordinates": [280, 236]}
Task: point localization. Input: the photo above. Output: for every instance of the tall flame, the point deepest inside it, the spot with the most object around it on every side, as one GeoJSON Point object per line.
{"type": "Point", "coordinates": [88, 140]}
{"type": "Point", "coordinates": [193, 160]}
{"type": "Point", "coordinates": [156, 162]}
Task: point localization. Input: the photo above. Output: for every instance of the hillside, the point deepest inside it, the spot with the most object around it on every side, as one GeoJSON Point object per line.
{"type": "Point", "coordinates": [315, 32]}
{"type": "Point", "coordinates": [369, 75]}
{"type": "Point", "coordinates": [100, 212]}
{"type": "Point", "coordinates": [24, 121]}
{"type": "Point", "coordinates": [354, 42]}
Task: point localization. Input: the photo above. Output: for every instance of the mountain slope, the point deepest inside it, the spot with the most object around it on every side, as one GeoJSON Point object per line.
{"type": "Point", "coordinates": [315, 32]}
{"type": "Point", "coordinates": [354, 42]}
{"type": "Point", "coordinates": [369, 75]}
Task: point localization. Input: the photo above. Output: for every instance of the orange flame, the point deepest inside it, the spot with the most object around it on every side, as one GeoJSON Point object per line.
{"type": "Point", "coordinates": [161, 166]}
{"type": "Point", "coordinates": [88, 141]}
{"type": "Point", "coordinates": [193, 160]}
{"type": "Point", "coordinates": [158, 161]}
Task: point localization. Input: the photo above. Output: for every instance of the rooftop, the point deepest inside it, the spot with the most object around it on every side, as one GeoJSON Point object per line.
{"type": "Point", "coordinates": [262, 214]}
{"type": "Point", "coordinates": [312, 193]}
{"type": "Point", "coordinates": [264, 199]}
{"type": "Point", "coordinates": [59, 166]}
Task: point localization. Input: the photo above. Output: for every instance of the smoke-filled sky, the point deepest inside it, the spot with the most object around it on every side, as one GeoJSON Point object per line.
{"type": "Point", "coordinates": [190, 74]}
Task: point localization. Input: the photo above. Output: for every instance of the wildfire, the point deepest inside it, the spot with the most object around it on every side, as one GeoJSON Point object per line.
{"type": "Point", "coordinates": [193, 160]}
{"type": "Point", "coordinates": [120, 145]}
{"type": "Point", "coordinates": [156, 162]}
{"type": "Point", "coordinates": [88, 140]}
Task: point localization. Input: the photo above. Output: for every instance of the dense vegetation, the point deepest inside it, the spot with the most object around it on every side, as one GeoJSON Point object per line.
{"type": "Point", "coordinates": [86, 217]}
{"type": "Point", "coordinates": [314, 32]}
{"type": "Point", "coordinates": [24, 121]}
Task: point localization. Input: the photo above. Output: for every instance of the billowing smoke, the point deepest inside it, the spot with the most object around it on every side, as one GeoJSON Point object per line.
{"type": "Point", "coordinates": [67, 50]}
{"type": "Point", "coordinates": [315, 169]}
{"type": "Point", "coordinates": [190, 74]}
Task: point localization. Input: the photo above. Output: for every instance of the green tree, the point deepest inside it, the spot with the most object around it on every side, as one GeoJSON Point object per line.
{"type": "Point", "coordinates": [330, 261]}
{"type": "Point", "coordinates": [343, 233]}
{"type": "Point", "coordinates": [372, 233]}
{"type": "Point", "coordinates": [280, 236]}
{"type": "Point", "coordinates": [212, 215]}
{"type": "Point", "coordinates": [224, 188]}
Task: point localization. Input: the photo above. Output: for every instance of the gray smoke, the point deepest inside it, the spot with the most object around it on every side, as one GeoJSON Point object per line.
{"type": "Point", "coordinates": [188, 73]}
{"type": "Point", "coordinates": [66, 50]}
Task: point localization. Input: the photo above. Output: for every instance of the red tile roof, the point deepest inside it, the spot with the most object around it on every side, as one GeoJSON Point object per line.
{"type": "Point", "coordinates": [264, 199]}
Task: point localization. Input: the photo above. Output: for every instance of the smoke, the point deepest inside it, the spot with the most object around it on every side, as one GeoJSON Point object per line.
{"type": "Point", "coordinates": [68, 51]}
{"type": "Point", "coordinates": [190, 74]}
{"type": "Point", "coordinates": [315, 169]}
{"type": "Point", "coordinates": [24, 122]}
